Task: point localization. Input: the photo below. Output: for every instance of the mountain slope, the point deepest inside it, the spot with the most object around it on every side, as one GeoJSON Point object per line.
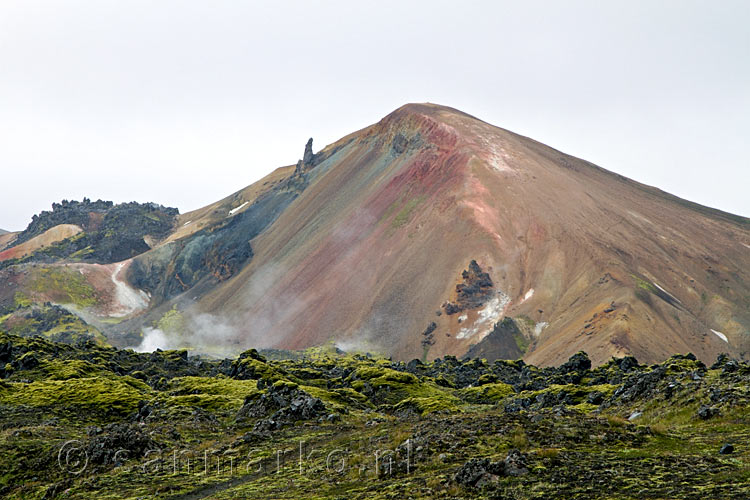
{"type": "Point", "coordinates": [378, 241]}
{"type": "Point", "coordinates": [52, 235]}
{"type": "Point", "coordinates": [417, 237]}
{"type": "Point", "coordinates": [6, 238]}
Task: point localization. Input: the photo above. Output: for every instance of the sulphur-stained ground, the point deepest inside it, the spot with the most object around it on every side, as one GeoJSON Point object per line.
{"type": "Point", "coordinates": [86, 421]}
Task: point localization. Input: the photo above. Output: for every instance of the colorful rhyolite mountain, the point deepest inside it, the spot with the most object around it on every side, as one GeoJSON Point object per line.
{"type": "Point", "coordinates": [429, 233]}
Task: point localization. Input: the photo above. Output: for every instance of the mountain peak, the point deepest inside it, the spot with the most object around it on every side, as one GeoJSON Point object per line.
{"type": "Point", "coordinates": [427, 111]}
{"type": "Point", "coordinates": [432, 125]}
{"type": "Point", "coordinates": [430, 108]}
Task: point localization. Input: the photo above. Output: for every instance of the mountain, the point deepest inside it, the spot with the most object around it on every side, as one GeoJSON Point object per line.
{"type": "Point", "coordinates": [429, 233]}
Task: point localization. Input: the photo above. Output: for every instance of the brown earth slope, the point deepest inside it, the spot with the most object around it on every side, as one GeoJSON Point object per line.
{"type": "Point", "coordinates": [6, 238]}
{"type": "Point", "coordinates": [50, 236]}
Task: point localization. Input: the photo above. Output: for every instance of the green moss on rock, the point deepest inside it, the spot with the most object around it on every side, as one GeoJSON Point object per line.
{"type": "Point", "coordinates": [70, 369]}
{"type": "Point", "coordinates": [210, 393]}
{"type": "Point", "coordinates": [486, 394]}
{"type": "Point", "coordinates": [95, 395]}
{"type": "Point", "coordinates": [377, 375]}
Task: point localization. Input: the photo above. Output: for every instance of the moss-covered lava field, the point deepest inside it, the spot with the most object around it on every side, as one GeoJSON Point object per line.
{"type": "Point", "coordinates": [87, 421]}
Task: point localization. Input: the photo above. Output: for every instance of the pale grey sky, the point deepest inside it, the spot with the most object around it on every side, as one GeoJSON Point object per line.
{"type": "Point", "coordinates": [184, 102]}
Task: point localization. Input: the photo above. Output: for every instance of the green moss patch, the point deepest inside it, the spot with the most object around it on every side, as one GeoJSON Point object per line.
{"type": "Point", "coordinates": [96, 395]}
{"type": "Point", "coordinates": [404, 214]}
{"type": "Point", "coordinates": [486, 394]}
{"type": "Point", "coordinates": [210, 392]}
{"type": "Point", "coordinates": [173, 321]}
{"type": "Point", "coordinates": [339, 399]}
{"type": "Point", "coordinates": [21, 300]}
{"type": "Point", "coordinates": [70, 369]}
{"type": "Point", "coordinates": [377, 376]}
{"type": "Point", "coordinates": [67, 285]}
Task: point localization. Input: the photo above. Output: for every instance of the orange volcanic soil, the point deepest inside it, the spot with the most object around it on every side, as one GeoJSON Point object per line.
{"type": "Point", "coordinates": [50, 236]}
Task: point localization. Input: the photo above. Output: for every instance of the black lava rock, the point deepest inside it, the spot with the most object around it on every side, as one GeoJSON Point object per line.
{"type": "Point", "coordinates": [515, 463]}
{"type": "Point", "coordinates": [705, 412]}
{"type": "Point", "coordinates": [727, 449]}
{"type": "Point", "coordinates": [117, 443]}
{"type": "Point", "coordinates": [479, 472]}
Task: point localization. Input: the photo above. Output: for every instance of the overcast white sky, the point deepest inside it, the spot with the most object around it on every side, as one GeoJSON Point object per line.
{"type": "Point", "coordinates": [184, 102]}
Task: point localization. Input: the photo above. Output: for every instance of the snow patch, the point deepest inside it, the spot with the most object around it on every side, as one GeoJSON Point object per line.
{"type": "Point", "coordinates": [465, 333]}
{"type": "Point", "coordinates": [188, 222]}
{"type": "Point", "coordinates": [486, 318]}
{"type": "Point", "coordinates": [669, 294]}
{"type": "Point", "coordinates": [539, 327]}
{"type": "Point", "coordinates": [463, 318]}
{"type": "Point", "coordinates": [128, 299]}
{"type": "Point", "coordinates": [721, 336]}
{"type": "Point", "coordinates": [235, 210]}
{"type": "Point", "coordinates": [528, 295]}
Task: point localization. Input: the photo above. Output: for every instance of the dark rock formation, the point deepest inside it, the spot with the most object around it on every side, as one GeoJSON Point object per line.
{"type": "Point", "coordinates": [218, 252]}
{"type": "Point", "coordinates": [65, 212]}
{"type": "Point", "coordinates": [280, 405]}
{"type": "Point", "coordinates": [579, 362]}
{"type": "Point", "coordinates": [451, 308]}
{"type": "Point", "coordinates": [399, 143]}
{"type": "Point", "coordinates": [429, 337]}
{"type": "Point", "coordinates": [307, 158]}
{"type": "Point", "coordinates": [477, 473]}
{"type": "Point", "coordinates": [112, 233]}
{"type": "Point", "coordinates": [117, 443]}
{"type": "Point", "coordinates": [705, 412]}
{"type": "Point", "coordinates": [515, 463]}
{"type": "Point", "coordinates": [475, 290]}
